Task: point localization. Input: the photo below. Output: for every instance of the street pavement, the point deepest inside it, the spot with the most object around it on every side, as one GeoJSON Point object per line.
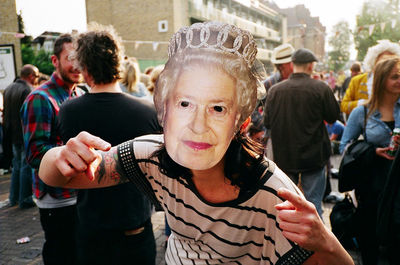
{"type": "Point", "coordinates": [16, 223]}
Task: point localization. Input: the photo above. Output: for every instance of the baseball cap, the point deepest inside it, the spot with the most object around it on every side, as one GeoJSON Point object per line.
{"type": "Point", "coordinates": [282, 54]}
{"type": "Point", "coordinates": [302, 56]}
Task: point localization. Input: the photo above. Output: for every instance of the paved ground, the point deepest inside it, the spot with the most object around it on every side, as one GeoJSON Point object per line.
{"type": "Point", "coordinates": [16, 223]}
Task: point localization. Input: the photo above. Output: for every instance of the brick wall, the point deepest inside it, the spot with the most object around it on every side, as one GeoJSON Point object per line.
{"type": "Point", "coordinates": [136, 20]}
{"type": "Point", "coordinates": [9, 23]}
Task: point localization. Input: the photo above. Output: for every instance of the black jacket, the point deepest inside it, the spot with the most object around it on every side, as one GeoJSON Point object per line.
{"type": "Point", "coordinates": [14, 96]}
{"type": "Point", "coordinates": [295, 111]}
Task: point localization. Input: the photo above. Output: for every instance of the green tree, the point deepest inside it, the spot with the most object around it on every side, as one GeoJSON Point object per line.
{"type": "Point", "coordinates": [21, 29]}
{"type": "Point", "coordinates": [28, 55]}
{"type": "Point", "coordinates": [340, 42]}
{"type": "Point", "coordinates": [41, 59]}
{"type": "Point", "coordinates": [375, 13]}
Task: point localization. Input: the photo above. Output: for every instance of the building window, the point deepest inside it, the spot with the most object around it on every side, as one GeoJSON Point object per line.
{"type": "Point", "coordinates": [163, 26]}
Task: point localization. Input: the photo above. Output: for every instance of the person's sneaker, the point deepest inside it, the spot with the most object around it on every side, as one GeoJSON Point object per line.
{"type": "Point", "coordinates": [7, 204]}
{"type": "Point", "coordinates": [333, 197]}
{"type": "Point", "coordinates": [335, 173]}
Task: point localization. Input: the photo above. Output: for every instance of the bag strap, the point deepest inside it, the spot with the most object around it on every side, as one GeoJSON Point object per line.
{"type": "Point", "coordinates": [365, 124]}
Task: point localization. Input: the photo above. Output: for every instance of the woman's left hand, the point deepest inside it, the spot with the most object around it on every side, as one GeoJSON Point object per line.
{"type": "Point", "coordinates": [300, 222]}
{"type": "Point", "coordinates": [382, 151]}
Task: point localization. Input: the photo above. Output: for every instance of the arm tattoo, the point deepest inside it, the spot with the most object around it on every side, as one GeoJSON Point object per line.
{"type": "Point", "coordinates": [109, 167]}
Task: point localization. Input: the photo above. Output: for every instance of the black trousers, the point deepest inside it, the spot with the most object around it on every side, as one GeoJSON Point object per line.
{"type": "Point", "coordinates": [59, 226]}
{"type": "Point", "coordinates": [97, 247]}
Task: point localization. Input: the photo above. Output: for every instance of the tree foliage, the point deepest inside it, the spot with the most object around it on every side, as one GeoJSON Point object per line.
{"type": "Point", "coordinates": [40, 59]}
{"type": "Point", "coordinates": [376, 13]}
{"type": "Point", "coordinates": [340, 42]}
{"type": "Point", "coordinates": [21, 29]}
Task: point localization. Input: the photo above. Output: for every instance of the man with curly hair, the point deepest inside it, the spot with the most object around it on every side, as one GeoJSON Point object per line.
{"type": "Point", "coordinates": [114, 224]}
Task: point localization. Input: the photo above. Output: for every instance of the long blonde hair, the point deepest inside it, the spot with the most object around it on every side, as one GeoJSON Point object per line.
{"type": "Point", "coordinates": [381, 74]}
{"type": "Point", "coordinates": [153, 78]}
{"type": "Point", "coordinates": [131, 75]}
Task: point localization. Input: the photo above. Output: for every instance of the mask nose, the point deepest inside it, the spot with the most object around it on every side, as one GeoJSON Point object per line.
{"type": "Point", "coordinates": [199, 122]}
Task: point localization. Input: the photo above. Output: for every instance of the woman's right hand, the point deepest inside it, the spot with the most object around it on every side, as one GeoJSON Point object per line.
{"type": "Point", "coordinates": [382, 152]}
{"type": "Point", "coordinates": [79, 156]}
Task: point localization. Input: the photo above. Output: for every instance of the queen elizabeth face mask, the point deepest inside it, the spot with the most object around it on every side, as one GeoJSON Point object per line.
{"type": "Point", "coordinates": [201, 117]}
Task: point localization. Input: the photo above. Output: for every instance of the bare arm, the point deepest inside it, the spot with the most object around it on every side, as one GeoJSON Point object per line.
{"type": "Point", "coordinates": [78, 165]}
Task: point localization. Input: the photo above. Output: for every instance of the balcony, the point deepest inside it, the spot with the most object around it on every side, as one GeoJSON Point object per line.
{"type": "Point", "coordinates": [209, 13]}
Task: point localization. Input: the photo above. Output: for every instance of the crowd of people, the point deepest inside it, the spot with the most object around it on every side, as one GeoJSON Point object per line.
{"type": "Point", "coordinates": [236, 160]}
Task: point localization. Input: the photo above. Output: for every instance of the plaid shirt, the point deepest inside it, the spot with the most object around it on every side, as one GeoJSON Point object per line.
{"type": "Point", "coordinates": [39, 123]}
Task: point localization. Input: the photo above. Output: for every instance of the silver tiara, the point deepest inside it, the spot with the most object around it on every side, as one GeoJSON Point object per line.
{"type": "Point", "coordinates": [216, 36]}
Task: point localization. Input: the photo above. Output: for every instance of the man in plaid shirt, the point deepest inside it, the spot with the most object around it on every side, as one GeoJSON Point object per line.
{"type": "Point", "coordinates": [57, 206]}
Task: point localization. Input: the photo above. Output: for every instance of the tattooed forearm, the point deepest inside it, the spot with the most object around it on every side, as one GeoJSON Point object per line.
{"type": "Point", "coordinates": [109, 168]}
{"type": "Point", "coordinates": [101, 169]}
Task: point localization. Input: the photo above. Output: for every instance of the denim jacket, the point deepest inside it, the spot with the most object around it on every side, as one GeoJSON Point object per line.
{"type": "Point", "coordinates": [378, 133]}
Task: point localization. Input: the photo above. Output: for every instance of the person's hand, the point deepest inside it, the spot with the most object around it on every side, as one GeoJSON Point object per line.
{"type": "Point", "coordinates": [382, 151]}
{"type": "Point", "coordinates": [397, 139]}
{"type": "Point", "coordinates": [78, 155]}
{"type": "Point", "coordinates": [300, 222]}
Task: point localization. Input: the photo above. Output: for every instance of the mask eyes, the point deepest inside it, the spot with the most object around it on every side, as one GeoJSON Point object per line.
{"type": "Point", "coordinates": [212, 110]}
{"type": "Point", "coordinates": [184, 104]}
{"type": "Point", "coordinates": [218, 110]}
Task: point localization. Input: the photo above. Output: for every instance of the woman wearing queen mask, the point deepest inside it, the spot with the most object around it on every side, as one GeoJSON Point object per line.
{"type": "Point", "coordinates": [225, 203]}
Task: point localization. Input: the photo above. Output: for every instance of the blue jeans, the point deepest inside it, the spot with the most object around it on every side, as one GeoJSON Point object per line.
{"type": "Point", "coordinates": [313, 185]}
{"type": "Point", "coordinates": [21, 178]}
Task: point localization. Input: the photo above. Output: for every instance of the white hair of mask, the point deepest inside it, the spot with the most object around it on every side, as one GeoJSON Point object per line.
{"type": "Point", "coordinates": [374, 52]}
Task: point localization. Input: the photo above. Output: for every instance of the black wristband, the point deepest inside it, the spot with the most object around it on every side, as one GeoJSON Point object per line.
{"type": "Point", "coordinates": [126, 158]}
{"type": "Point", "coordinates": [132, 171]}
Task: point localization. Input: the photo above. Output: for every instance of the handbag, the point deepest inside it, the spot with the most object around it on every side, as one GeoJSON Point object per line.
{"type": "Point", "coordinates": [356, 161]}
{"type": "Point", "coordinates": [342, 219]}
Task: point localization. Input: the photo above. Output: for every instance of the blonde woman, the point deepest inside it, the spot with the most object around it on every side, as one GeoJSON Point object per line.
{"type": "Point", "coordinates": [382, 116]}
{"type": "Point", "coordinates": [130, 82]}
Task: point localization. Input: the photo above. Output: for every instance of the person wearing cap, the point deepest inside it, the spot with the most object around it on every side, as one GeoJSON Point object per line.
{"type": "Point", "coordinates": [360, 87]}
{"type": "Point", "coordinates": [301, 146]}
{"type": "Point", "coordinates": [281, 58]}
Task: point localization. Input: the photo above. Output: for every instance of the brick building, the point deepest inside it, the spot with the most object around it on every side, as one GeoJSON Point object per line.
{"type": "Point", "coordinates": [147, 26]}
{"type": "Point", "coordinates": [8, 27]}
{"type": "Point", "coordinates": [305, 31]}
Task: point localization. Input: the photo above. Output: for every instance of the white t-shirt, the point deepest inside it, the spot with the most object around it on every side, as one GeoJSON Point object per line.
{"type": "Point", "coordinates": [242, 231]}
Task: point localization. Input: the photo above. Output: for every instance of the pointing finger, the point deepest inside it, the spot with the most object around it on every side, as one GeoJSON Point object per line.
{"type": "Point", "coordinates": [297, 201]}
{"type": "Point", "coordinates": [93, 141]}
{"type": "Point", "coordinates": [286, 205]}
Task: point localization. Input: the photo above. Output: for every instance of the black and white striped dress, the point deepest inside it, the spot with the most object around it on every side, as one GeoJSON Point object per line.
{"type": "Point", "coordinates": [242, 231]}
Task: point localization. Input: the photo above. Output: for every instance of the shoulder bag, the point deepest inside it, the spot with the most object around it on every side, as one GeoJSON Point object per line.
{"type": "Point", "coordinates": [342, 222]}
{"type": "Point", "coordinates": [356, 162]}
